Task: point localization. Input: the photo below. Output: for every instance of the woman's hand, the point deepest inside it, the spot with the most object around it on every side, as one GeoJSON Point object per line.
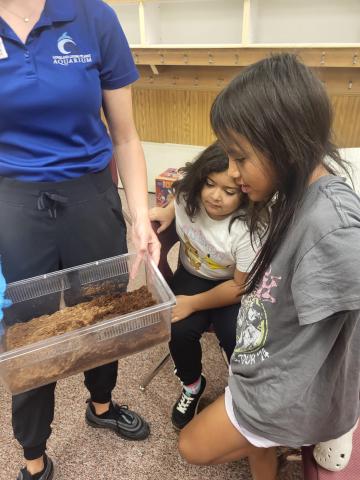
{"type": "Point", "coordinates": [183, 308]}
{"type": "Point", "coordinates": [145, 241]}
{"type": "Point", "coordinates": [164, 216]}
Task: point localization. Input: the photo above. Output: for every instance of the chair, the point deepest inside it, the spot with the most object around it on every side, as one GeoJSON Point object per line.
{"type": "Point", "coordinates": [312, 471]}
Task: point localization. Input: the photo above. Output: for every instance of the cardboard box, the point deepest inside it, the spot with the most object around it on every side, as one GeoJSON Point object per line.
{"type": "Point", "coordinates": [163, 186]}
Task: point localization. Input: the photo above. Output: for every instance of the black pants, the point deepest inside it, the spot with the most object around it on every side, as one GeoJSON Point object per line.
{"type": "Point", "coordinates": [47, 227]}
{"type": "Point", "coordinates": [185, 344]}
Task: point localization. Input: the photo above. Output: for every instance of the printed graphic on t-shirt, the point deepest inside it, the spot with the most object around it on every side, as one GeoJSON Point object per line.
{"type": "Point", "coordinates": [252, 322]}
{"type": "Point", "coordinates": [252, 326]}
{"type": "Point", "coordinates": [192, 254]}
{"type": "Point", "coordinates": [196, 259]}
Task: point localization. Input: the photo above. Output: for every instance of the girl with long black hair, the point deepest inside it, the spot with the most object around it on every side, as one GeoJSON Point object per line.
{"type": "Point", "coordinates": [294, 376]}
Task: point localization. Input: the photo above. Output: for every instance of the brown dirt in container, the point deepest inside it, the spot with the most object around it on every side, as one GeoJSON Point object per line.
{"type": "Point", "coordinates": [73, 318]}
{"type": "Point", "coordinates": [82, 352]}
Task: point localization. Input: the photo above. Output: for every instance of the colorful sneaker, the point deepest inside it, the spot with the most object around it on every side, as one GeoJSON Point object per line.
{"type": "Point", "coordinates": [47, 474]}
{"type": "Point", "coordinates": [124, 422]}
{"type": "Point", "coordinates": [186, 406]}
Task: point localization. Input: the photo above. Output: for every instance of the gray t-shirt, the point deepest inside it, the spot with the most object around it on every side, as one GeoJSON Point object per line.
{"type": "Point", "coordinates": [296, 366]}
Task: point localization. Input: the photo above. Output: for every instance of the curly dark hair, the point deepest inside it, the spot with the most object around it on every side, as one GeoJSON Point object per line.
{"type": "Point", "coordinates": [193, 177]}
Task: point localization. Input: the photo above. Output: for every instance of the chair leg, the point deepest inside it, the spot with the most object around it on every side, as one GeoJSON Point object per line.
{"type": "Point", "coordinates": [147, 379]}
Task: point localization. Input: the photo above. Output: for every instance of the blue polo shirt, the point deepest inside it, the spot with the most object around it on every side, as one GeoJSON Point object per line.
{"type": "Point", "coordinates": [51, 91]}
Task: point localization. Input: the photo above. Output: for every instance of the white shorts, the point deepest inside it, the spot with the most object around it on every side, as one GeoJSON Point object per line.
{"type": "Point", "coordinates": [252, 438]}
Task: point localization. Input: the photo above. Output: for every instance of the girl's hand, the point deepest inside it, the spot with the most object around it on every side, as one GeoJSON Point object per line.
{"type": "Point", "coordinates": [183, 308]}
{"type": "Point", "coordinates": [145, 241]}
{"type": "Point", "coordinates": [164, 216]}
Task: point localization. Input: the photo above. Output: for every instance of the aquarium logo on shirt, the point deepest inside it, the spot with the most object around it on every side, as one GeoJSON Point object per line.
{"type": "Point", "coordinates": [69, 50]}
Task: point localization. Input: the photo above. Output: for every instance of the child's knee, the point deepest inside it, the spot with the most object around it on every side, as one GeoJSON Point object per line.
{"type": "Point", "coordinates": [187, 450]}
{"type": "Point", "coordinates": [191, 451]}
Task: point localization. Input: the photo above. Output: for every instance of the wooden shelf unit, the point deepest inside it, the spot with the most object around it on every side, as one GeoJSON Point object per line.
{"type": "Point", "coordinates": [188, 50]}
{"type": "Point", "coordinates": [239, 22]}
{"type": "Point", "coordinates": [347, 56]}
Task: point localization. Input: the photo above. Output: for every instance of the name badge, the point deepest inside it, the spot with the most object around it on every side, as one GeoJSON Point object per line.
{"type": "Point", "coordinates": [3, 52]}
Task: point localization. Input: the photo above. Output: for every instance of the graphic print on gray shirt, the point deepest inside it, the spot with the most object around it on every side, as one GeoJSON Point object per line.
{"type": "Point", "coordinates": [296, 365]}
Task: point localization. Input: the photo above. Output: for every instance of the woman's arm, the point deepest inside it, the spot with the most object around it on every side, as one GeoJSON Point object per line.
{"type": "Point", "coordinates": [227, 293]}
{"type": "Point", "coordinates": [131, 165]}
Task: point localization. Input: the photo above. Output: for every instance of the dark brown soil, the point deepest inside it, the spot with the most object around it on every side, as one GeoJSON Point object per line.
{"type": "Point", "coordinates": [81, 315]}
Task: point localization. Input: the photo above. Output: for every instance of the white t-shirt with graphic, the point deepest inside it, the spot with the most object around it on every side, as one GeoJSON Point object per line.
{"type": "Point", "coordinates": [208, 249]}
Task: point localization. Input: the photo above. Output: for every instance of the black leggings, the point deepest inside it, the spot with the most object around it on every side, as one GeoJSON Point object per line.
{"type": "Point", "coordinates": [185, 344]}
{"type": "Point", "coordinates": [47, 227]}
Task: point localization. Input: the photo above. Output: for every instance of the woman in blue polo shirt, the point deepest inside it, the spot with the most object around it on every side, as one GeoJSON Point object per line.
{"type": "Point", "coordinates": [60, 62]}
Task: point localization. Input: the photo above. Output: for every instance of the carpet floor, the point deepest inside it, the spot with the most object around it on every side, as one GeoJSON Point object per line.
{"type": "Point", "coordinates": [83, 453]}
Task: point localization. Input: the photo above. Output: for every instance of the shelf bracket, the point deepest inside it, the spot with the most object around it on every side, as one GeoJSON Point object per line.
{"type": "Point", "coordinates": [154, 69]}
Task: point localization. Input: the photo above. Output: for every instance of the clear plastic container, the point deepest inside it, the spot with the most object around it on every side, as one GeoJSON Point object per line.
{"type": "Point", "coordinates": [42, 362]}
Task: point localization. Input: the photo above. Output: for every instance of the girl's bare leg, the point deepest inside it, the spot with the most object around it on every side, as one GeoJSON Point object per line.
{"type": "Point", "coordinates": [264, 464]}
{"type": "Point", "coordinates": [210, 438]}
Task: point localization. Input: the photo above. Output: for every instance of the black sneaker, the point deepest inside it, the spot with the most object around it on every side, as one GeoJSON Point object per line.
{"type": "Point", "coordinates": [186, 406]}
{"type": "Point", "coordinates": [47, 474]}
{"type": "Point", "coordinates": [124, 422]}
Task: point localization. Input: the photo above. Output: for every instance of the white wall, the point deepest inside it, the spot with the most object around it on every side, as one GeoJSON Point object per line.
{"type": "Point", "coordinates": [306, 21]}
{"type": "Point", "coordinates": [198, 22]}
{"type": "Point", "coordinates": [160, 156]}
{"type": "Point", "coordinates": [220, 21]}
{"type": "Point", "coordinates": [352, 155]}
{"type": "Point", "coordinates": [129, 19]}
